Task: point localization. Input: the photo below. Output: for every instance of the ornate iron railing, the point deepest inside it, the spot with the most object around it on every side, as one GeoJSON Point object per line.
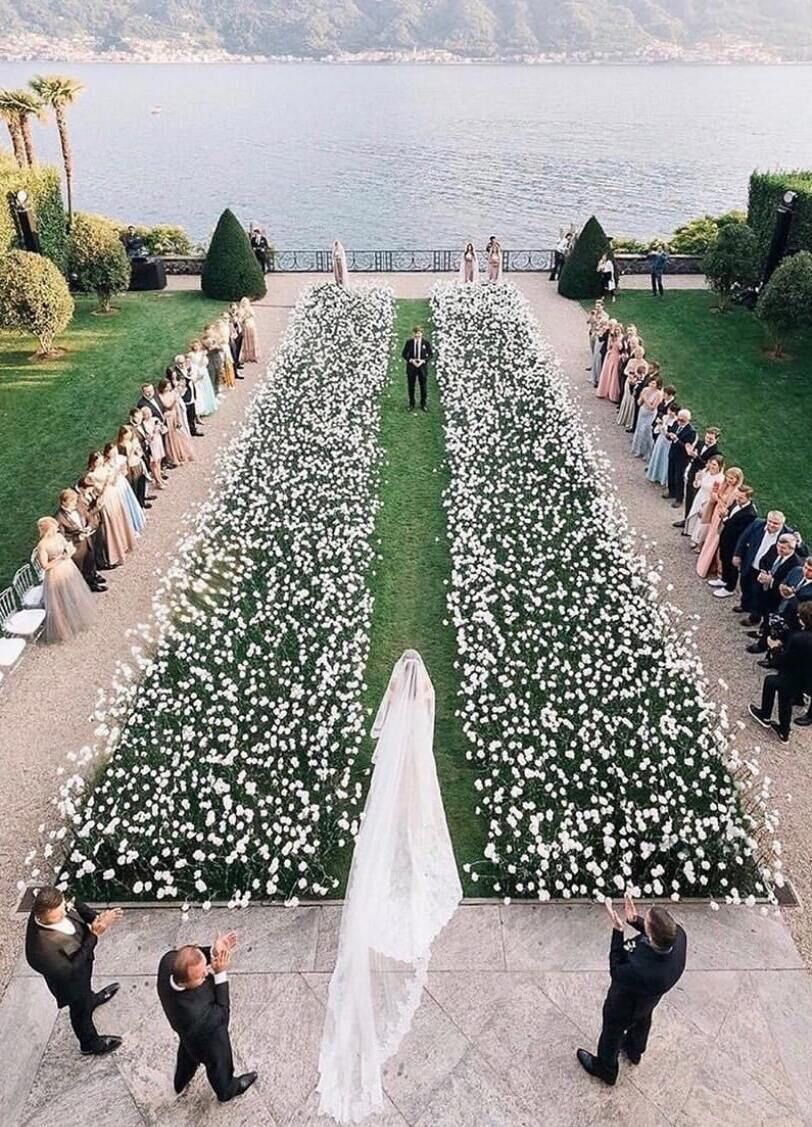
{"type": "Point", "coordinates": [402, 261]}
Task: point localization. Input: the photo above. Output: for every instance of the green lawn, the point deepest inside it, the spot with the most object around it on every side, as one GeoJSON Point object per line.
{"type": "Point", "coordinates": [409, 585]}
{"type": "Point", "coordinates": [52, 414]}
{"type": "Point", "coordinates": [717, 364]}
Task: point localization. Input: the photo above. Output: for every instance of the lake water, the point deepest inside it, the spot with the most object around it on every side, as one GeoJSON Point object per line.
{"type": "Point", "coordinates": [423, 156]}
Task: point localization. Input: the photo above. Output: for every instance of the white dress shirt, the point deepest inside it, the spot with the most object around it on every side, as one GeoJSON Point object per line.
{"type": "Point", "coordinates": [65, 925]}
{"type": "Point", "coordinates": [767, 541]}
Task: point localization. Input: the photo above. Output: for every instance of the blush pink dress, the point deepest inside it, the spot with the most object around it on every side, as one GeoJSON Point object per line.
{"type": "Point", "coordinates": [609, 383]}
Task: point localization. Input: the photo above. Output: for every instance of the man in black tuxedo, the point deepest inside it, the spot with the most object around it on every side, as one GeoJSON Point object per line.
{"type": "Point", "coordinates": [641, 973]}
{"type": "Point", "coordinates": [737, 519]}
{"type": "Point", "coordinates": [700, 455]}
{"type": "Point", "coordinates": [793, 679]}
{"type": "Point", "coordinates": [417, 353]}
{"type": "Point", "coordinates": [771, 579]}
{"type": "Point", "coordinates": [193, 989]}
{"type": "Point", "coordinates": [149, 401]}
{"type": "Point", "coordinates": [60, 944]}
{"type": "Point", "coordinates": [260, 246]}
{"type": "Point", "coordinates": [755, 552]}
{"type": "Point", "coordinates": [77, 531]}
{"type": "Point", "coordinates": [681, 435]}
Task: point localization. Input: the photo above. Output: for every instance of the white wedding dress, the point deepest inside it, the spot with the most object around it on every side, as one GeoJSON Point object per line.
{"type": "Point", "coordinates": [403, 889]}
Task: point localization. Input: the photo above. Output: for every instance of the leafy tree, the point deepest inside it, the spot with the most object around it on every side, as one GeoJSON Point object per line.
{"type": "Point", "coordinates": [97, 262]}
{"type": "Point", "coordinates": [231, 270]}
{"type": "Point", "coordinates": [34, 297]}
{"type": "Point", "coordinates": [10, 113]}
{"type": "Point", "coordinates": [785, 304]}
{"type": "Point", "coordinates": [733, 260]}
{"type": "Point", "coordinates": [579, 278]}
{"type": "Point", "coordinates": [57, 93]}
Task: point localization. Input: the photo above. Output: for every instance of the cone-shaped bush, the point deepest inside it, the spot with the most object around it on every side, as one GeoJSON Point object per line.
{"type": "Point", "coordinates": [231, 270]}
{"type": "Point", "coordinates": [580, 279]}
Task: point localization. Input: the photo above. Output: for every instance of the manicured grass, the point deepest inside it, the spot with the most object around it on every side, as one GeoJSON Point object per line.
{"type": "Point", "coordinates": [717, 364]}
{"type": "Point", "coordinates": [409, 584]}
{"type": "Point", "coordinates": [52, 414]}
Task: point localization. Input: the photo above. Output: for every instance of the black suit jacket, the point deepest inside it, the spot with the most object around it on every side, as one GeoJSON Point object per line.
{"type": "Point", "coordinates": [732, 526]}
{"type": "Point", "coordinates": [426, 353]}
{"type": "Point", "coordinates": [153, 405]}
{"type": "Point", "coordinates": [795, 663]}
{"type": "Point", "coordinates": [699, 461]}
{"type": "Point", "coordinates": [64, 961]}
{"type": "Point", "coordinates": [197, 1016]}
{"type": "Point", "coordinates": [641, 975]}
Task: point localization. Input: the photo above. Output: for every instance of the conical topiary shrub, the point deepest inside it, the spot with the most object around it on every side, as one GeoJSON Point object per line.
{"type": "Point", "coordinates": [231, 270]}
{"type": "Point", "coordinates": [580, 279]}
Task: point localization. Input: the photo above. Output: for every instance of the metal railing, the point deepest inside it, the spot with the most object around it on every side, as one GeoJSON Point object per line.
{"type": "Point", "coordinates": [402, 261]}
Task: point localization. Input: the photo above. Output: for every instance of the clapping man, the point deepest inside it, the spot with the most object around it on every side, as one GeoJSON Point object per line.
{"type": "Point", "coordinates": [59, 944]}
{"type": "Point", "coordinates": [754, 553]}
{"type": "Point", "coordinates": [641, 972]}
{"type": "Point", "coordinates": [417, 353]}
{"type": "Point", "coordinates": [681, 435]}
{"type": "Point", "coordinates": [194, 993]}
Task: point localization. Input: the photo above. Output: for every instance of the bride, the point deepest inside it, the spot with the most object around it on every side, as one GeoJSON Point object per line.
{"type": "Point", "coordinates": [402, 891]}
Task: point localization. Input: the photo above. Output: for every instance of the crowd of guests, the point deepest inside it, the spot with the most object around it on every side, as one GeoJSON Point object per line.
{"type": "Point", "coordinates": [103, 513]}
{"type": "Point", "coordinates": [761, 562]}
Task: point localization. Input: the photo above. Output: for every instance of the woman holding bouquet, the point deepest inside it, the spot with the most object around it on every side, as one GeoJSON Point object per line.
{"type": "Point", "coordinates": [68, 602]}
{"type": "Point", "coordinates": [698, 520]}
{"type": "Point", "coordinates": [722, 496]}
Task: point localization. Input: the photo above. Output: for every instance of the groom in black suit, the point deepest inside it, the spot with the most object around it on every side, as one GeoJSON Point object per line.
{"type": "Point", "coordinates": [193, 989]}
{"type": "Point", "coordinates": [417, 353]}
{"type": "Point", "coordinates": [60, 944]}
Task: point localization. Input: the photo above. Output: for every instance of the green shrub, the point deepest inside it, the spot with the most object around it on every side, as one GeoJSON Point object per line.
{"type": "Point", "coordinates": [97, 261]}
{"type": "Point", "coordinates": [733, 260]}
{"type": "Point", "coordinates": [34, 297]}
{"type": "Point", "coordinates": [695, 237]}
{"type": "Point", "coordinates": [579, 278]}
{"type": "Point", "coordinates": [785, 304]}
{"type": "Point", "coordinates": [231, 270]}
{"type": "Point", "coordinates": [766, 192]}
{"type": "Point", "coordinates": [163, 238]}
{"type": "Point", "coordinates": [622, 244]}
{"type": "Point", "coordinates": [44, 189]}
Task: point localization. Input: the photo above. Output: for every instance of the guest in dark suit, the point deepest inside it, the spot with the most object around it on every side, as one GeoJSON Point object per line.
{"type": "Point", "coordinates": [150, 401]}
{"type": "Point", "coordinates": [755, 551]}
{"type": "Point", "coordinates": [770, 580]}
{"type": "Point", "coordinates": [418, 353]}
{"type": "Point", "coordinates": [793, 679]}
{"type": "Point", "coordinates": [260, 246]}
{"type": "Point", "coordinates": [739, 516]}
{"type": "Point", "coordinates": [193, 989]}
{"type": "Point", "coordinates": [681, 435]}
{"type": "Point", "coordinates": [699, 455]}
{"type": "Point", "coordinates": [60, 944]}
{"type": "Point", "coordinates": [641, 973]}
{"type": "Point", "coordinates": [78, 532]}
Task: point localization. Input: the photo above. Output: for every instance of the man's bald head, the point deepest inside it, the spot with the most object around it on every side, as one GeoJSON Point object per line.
{"type": "Point", "coordinates": [190, 967]}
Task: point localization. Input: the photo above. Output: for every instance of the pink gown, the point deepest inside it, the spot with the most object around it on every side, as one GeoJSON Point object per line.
{"type": "Point", "coordinates": [707, 561]}
{"type": "Point", "coordinates": [609, 383]}
{"type": "Point", "coordinates": [69, 605]}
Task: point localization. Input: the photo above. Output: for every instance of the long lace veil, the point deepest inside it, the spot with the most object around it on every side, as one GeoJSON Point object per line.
{"type": "Point", "coordinates": [403, 889]}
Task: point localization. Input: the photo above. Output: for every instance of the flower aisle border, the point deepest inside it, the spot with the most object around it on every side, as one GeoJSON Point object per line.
{"type": "Point", "coordinates": [605, 765]}
{"type": "Point", "coordinates": [224, 761]}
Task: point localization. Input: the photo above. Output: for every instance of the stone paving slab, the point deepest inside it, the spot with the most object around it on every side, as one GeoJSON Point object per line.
{"type": "Point", "coordinates": [513, 990]}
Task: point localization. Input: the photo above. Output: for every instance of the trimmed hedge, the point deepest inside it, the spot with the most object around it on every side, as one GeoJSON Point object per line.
{"type": "Point", "coordinates": [43, 185]}
{"type": "Point", "coordinates": [231, 270]}
{"type": "Point", "coordinates": [579, 278]}
{"type": "Point", "coordinates": [785, 304]}
{"type": "Point", "coordinates": [732, 260]}
{"type": "Point", "coordinates": [97, 261]}
{"type": "Point", "coordinates": [34, 297]}
{"type": "Point", "coordinates": [766, 192]}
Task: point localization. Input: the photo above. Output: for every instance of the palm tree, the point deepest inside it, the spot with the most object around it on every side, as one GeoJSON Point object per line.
{"type": "Point", "coordinates": [59, 92]}
{"type": "Point", "coordinates": [9, 111]}
{"type": "Point", "coordinates": [28, 106]}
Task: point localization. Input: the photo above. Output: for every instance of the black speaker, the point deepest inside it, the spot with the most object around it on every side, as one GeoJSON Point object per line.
{"type": "Point", "coordinates": [25, 221]}
{"type": "Point", "coordinates": [783, 221]}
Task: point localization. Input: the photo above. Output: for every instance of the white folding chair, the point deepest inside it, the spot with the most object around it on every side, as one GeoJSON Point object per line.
{"type": "Point", "coordinates": [29, 588]}
{"type": "Point", "coordinates": [11, 650]}
{"type": "Point", "coordinates": [25, 624]}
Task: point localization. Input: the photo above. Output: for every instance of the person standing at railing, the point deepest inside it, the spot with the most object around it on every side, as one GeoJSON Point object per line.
{"type": "Point", "coordinates": [493, 253]}
{"type": "Point", "coordinates": [340, 269]}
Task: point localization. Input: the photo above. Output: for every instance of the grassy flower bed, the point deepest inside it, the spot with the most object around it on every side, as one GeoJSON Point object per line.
{"type": "Point", "coordinates": [604, 763]}
{"type": "Point", "coordinates": [228, 753]}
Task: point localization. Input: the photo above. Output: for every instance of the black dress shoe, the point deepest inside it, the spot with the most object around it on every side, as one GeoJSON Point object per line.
{"type": "Point", "coordinates": [765, 664]}
{"type": "Point", "coordinates": [753, 633]}
{"type": "Point", "coordinates": [679, 524]}
{"type": "Point", "coordinates": [632, 1058]}
{"type": "Point", "coordinates": [804, 721]}
{"type": "Point", "coordinates": [102, 1046]}
{"type": "Point", "coordinates": [590, 1064]}
{"type": "Point", "coordinates": [106, 994]}
{"type": "Point", "coordinates": [757, 648]}
{"type": "Point", "coordinates": [783, 736]}
{"type": "Point", "coordinates": [239, 377]}
{"type": "Point", "coordinates": [752, 620]}
{"type": "Point", "coordinates": [241, 1084]}
{"type": "Point", "coordinates": [758, 716]}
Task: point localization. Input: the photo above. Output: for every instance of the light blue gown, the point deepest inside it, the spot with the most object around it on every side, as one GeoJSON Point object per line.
{"type": "Point", "coordinates": [657, 468]}
{"type": "Point", "coordinates": [206, 399]}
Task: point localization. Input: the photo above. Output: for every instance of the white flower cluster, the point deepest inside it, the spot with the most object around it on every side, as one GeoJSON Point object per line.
{"type": "Point", "coordinates": [603, 759]}
{"type": "Point", "coordinates": [227, 761]}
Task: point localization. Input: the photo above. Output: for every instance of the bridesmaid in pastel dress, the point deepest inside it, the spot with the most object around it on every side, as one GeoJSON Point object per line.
{"type": "Point", "coordinates": [600, 346]}
{"type": "Point", "coordinates": [636, 371]}
{"type": "Point", "coordinates": [650, 399]}
{"type": "Point", "coordinates": [68, 602]}
{"type": "Point", "coordinates": [117, 468]}
{"type": "Point", "coordinates": [250, 340]}
{"type": "Point", "coordinates": [118, 530]}
{"type": "Point", "coordinates": [698, 520]}
{"type": "Point", "coordinates": [222, 334]}
{"type": "Point", "coordinates": [657, 468]}
{"type": "Point", "coordinates": [493, 253]}
{"type": "Point", "coordinates": [469, 264]}
{"type": "Point", "coordinates": [609, 383]}
{"type": "Point", "coordinates": [199, 372]}
{"type": "Point", "coordinates": [722, 496]}
{"type": "Point", "coordinates": [178, 444]}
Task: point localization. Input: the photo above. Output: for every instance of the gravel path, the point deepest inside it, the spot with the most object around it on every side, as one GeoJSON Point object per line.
{"type": "Point", "coordinates": [45, 709]}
